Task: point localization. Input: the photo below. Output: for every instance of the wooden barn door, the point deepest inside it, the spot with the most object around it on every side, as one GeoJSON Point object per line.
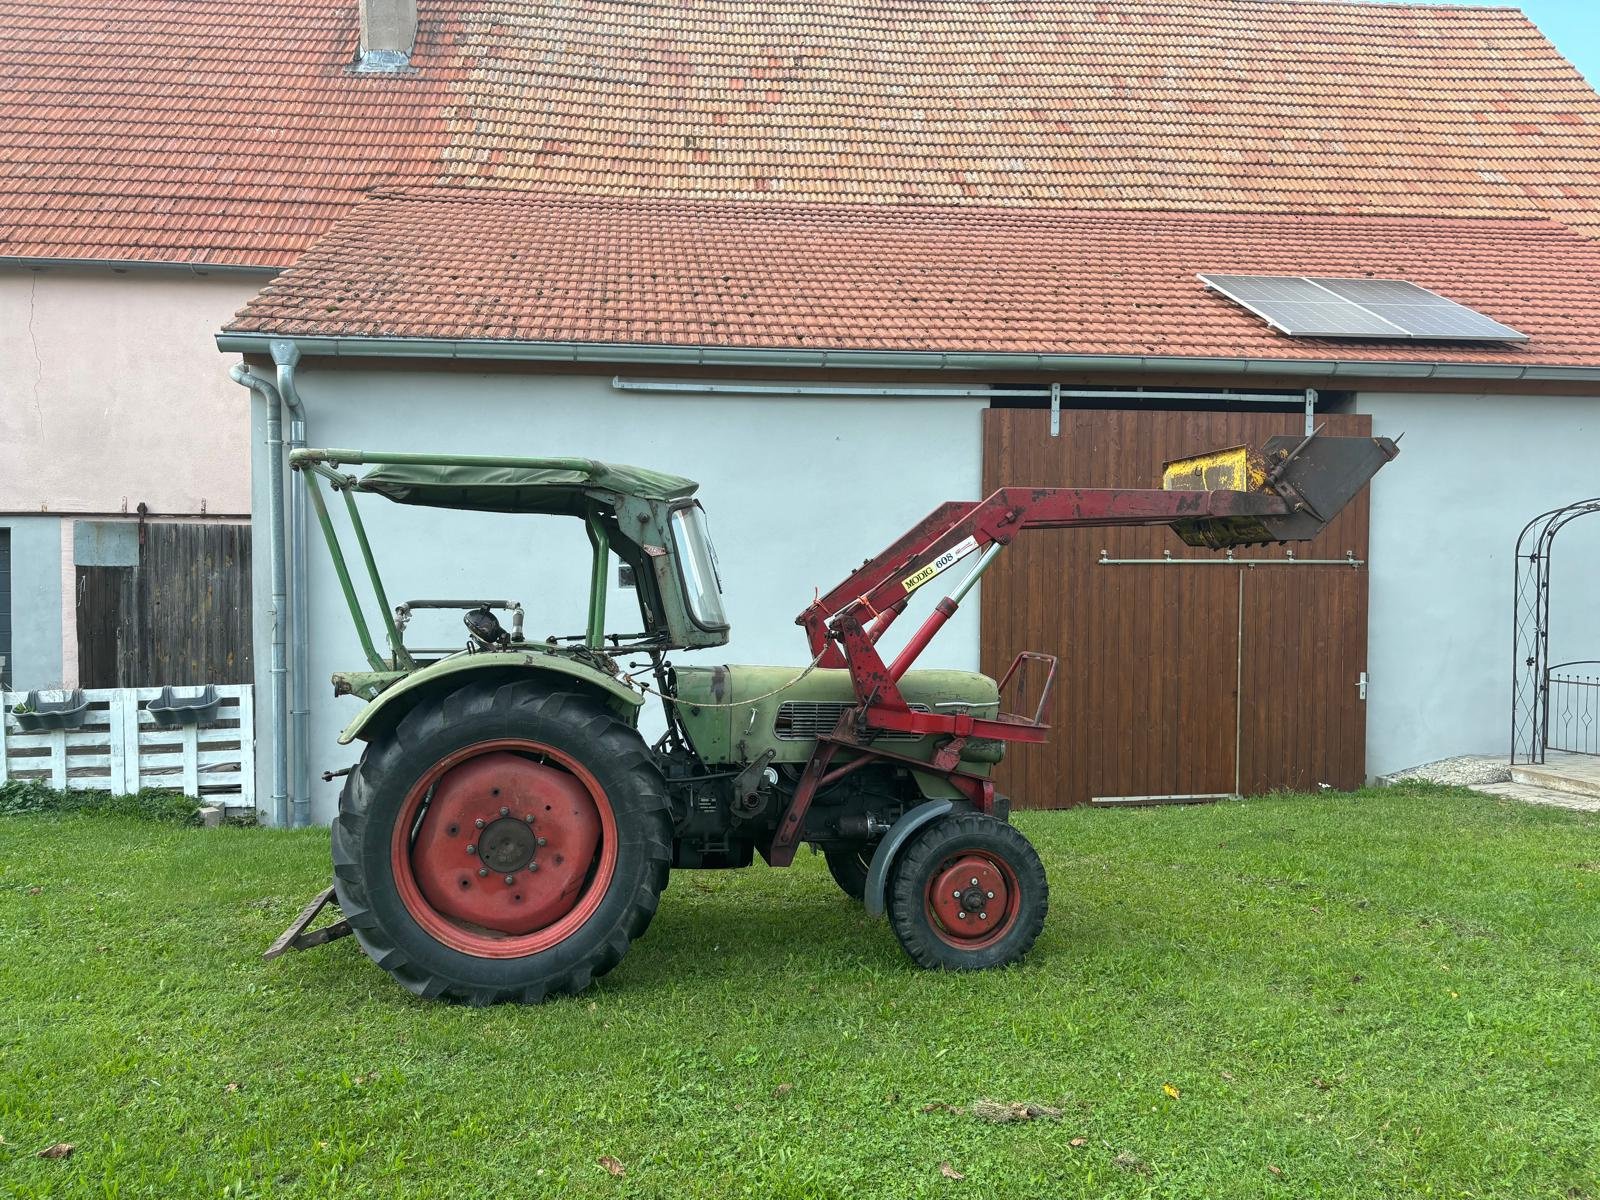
{"type": "Point", "coordinates": [1192, 678]}
{"type": "Point", "coordinates": [179, 617]}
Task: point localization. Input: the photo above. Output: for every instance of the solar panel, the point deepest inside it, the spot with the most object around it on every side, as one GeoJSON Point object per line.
{"type": "Point", "coordinates": [1421, 313]}
{"type": "Point", "coordinates": [1302, 306]}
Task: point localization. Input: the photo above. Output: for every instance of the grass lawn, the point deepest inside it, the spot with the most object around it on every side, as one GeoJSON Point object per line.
{"type": "Point", "coordinates": [1384, 994]}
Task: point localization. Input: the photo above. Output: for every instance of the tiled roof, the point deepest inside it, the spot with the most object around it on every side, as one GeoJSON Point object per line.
{"type": "Point", "coordinates": [236, 130]}
{"type": "Point", "coordinates": [220, 131]}
{"type": "Point", "coordinates": [716, 273]}
{"type": "Point", "coordinates": [1220, 105]}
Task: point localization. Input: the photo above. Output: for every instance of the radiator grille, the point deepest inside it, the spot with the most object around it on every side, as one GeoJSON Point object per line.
{"type": "Point", "coordinates": [807, 720]}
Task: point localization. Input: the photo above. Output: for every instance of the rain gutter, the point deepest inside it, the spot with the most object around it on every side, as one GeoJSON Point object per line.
{"type": "Point", "coordinates": [615, 353]}
{"type": "Point", "coordinates": [278, 735]}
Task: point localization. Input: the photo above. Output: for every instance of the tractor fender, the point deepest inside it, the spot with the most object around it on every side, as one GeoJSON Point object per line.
{"type": "Point", "coordinates": [512, 664]}
{"type": "Point", "coordinates": [899, 833]}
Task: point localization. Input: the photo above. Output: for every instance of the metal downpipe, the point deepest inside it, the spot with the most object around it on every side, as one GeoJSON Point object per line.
{"type": "Point", "coordinates": [277, 571]}
{"type": "Point", "coordinates": [286, 354]}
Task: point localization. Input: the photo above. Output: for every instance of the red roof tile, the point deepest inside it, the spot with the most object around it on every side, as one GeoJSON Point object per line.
{"type": "Point", "coordinates": [1222, 105]}
{"type": "Point", "coordinates": [710, 273]}
{"type": "Point", "coordinates": [236, 131]}
{"type": "Point", "coordinates": [217, 131]}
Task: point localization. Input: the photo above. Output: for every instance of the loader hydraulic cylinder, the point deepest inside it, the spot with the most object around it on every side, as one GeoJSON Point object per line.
{"type": "Point", "coordinates": [942, 612]}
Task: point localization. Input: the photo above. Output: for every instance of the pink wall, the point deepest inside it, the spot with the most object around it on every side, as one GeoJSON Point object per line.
{"type": "Point", "coordinates": [112, 392]}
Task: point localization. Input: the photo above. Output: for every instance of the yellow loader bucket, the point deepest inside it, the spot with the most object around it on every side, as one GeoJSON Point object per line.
{"type": "Point", "coordinates": [1317, 476]}
{"type": "Point", "coordinates": [1236, 469]}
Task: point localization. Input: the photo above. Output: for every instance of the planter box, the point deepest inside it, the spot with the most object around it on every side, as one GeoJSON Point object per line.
{"type": "Point", "coordinates": [204, 746]}
{"type": "Point", "coordinates": [169, 710]}
{"type": "Point", "coordinates": [52, 714]}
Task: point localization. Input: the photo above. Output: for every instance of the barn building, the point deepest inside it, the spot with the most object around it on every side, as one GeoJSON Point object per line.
{"type": "Point", "coordinates": [841, 262]}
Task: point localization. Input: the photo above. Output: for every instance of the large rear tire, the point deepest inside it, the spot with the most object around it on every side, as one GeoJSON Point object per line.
{"type": "Point", "coordinates": [504, 842]}
{"type": "Point", "coordinates": [966, 893]}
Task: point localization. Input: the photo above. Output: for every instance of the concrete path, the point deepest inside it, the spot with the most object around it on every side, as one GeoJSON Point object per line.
{"type": "Point", "coordinates": [1562, 781]}
{"type": "Point", "coordinates": [1531, 794]}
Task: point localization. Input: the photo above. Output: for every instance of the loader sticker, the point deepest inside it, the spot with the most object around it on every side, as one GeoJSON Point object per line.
{"type": "Point", "coordinates": [957, 552]}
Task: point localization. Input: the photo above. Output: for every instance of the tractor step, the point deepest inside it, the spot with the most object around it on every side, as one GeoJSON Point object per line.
{"type": "Point", "coordinates": [296, 936]}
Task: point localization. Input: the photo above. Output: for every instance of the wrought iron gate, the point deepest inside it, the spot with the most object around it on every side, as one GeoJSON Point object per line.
{"type": "Point", "coordinates": [1554, 706]}
{"type": "Point", "coordinates": [1572, 707]}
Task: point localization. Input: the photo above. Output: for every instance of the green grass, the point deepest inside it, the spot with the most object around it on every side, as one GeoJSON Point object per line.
{"type": "Point", "coordinates": [1392, 993]}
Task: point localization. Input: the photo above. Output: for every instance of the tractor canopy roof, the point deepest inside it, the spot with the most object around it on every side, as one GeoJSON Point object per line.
{"type": "Point", "coordinates": [563, 486]}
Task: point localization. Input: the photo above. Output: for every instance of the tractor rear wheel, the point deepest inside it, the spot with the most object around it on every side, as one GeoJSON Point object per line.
{"type": "Point", "coordinates": [504, 842]}
{"type": "Point", "coordinates": [966, 893]}
{"type": "Point", "coordinates": [848, 864]}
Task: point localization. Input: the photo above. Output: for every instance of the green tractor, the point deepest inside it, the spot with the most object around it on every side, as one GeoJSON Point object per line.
{"type": "Point", "coordinates": [508, 832]}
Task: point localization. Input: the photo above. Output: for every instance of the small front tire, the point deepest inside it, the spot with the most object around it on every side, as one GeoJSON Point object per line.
{"type": "Point", "coordinates": [967, 893]}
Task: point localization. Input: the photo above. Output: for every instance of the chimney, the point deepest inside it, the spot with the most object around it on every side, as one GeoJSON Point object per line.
{"type": "Point", "coordinates": [388, 33]}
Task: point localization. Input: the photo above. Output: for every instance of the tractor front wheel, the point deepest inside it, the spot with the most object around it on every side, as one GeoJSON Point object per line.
{"type": "Point", "coordinates": [504, 842]}
{"type": "Point", "coordinates": [967, 892]}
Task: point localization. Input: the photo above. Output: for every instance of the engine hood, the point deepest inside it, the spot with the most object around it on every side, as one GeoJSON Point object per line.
{"type": "Point", "coordinates": [789, 721]}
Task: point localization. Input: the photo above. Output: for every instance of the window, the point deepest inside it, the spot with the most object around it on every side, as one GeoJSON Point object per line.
{"type": "Point", "coordinates": [697, 563]}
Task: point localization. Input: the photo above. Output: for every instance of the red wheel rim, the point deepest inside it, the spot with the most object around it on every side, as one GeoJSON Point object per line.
{"type": "Point", "coordinates": [547, 856]}
{"type": "Point", "coordinates": [972, 899]}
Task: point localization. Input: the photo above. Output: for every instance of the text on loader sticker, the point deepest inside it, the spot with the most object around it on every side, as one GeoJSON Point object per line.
{"type": "Point", "coordinates": [957, 552]}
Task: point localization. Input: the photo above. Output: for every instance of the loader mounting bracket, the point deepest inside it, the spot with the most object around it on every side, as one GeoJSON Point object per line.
{"type": "Point", "coordinates": [299, 937]}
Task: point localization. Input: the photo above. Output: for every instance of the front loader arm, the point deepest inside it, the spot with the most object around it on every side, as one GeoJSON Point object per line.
{"type": "Point", "coordinates": [955, 529]}
{"type": "Point", "coordinates": [1287, 492]}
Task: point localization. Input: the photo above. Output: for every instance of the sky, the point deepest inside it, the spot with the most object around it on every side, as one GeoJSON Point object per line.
{"type": "Point", "coordinates": [1573, 25]}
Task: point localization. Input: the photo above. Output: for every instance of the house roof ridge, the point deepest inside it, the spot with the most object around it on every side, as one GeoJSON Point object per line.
{"type": "Point", "coordinates": [1432, 5]}
{"type": "Point", "coordinates": [459, 193]}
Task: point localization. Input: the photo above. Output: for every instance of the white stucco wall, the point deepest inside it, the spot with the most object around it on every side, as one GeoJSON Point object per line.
{"type": "Point", "coordinates": [798, 491]}
{"type": "Point", "coordinates": [1473, 470]}
{"type": "Point", "coordinates": [110, 392]}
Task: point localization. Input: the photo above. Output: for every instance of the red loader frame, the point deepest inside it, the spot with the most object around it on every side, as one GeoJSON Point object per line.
{"type": "Point", "coordinates": [843, 627]}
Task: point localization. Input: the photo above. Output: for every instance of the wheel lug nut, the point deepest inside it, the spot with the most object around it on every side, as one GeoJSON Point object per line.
{"type": "Point", "coordinates": [528, 818]}
{"type": "Point", "coordinates": [538, 841]}
{"type": "Point", "coordinates": [471, 849]}
{"type": "Point", "coordinates": [991, 895]}
{"type": "Point", "coordinates": [983, 916]}
{"type": "Point", "coordinates": [479, 823]}
{"type": "Point", "coordinates": [962, 914]}
{"type": "Point", "coordinates": [510, 879]}
{"type": "Point", "coordinates": [974, 881]}
{"type": "Point", "coordinates": [533, 866]}
{"type": "Point", "coordinates": [956, 893]}
{"type": "Point", "coordinates": [505, 812]}
{"type": "Point", "coordinates": [483, 872]}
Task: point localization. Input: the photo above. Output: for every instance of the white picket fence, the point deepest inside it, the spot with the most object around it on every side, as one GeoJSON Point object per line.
{"type": "Point", "coordinates": [120, 748]}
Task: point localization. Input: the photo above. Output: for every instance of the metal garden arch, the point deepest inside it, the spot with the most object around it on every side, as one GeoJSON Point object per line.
{"type": "Point", "coordinates": [1554, 706]}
